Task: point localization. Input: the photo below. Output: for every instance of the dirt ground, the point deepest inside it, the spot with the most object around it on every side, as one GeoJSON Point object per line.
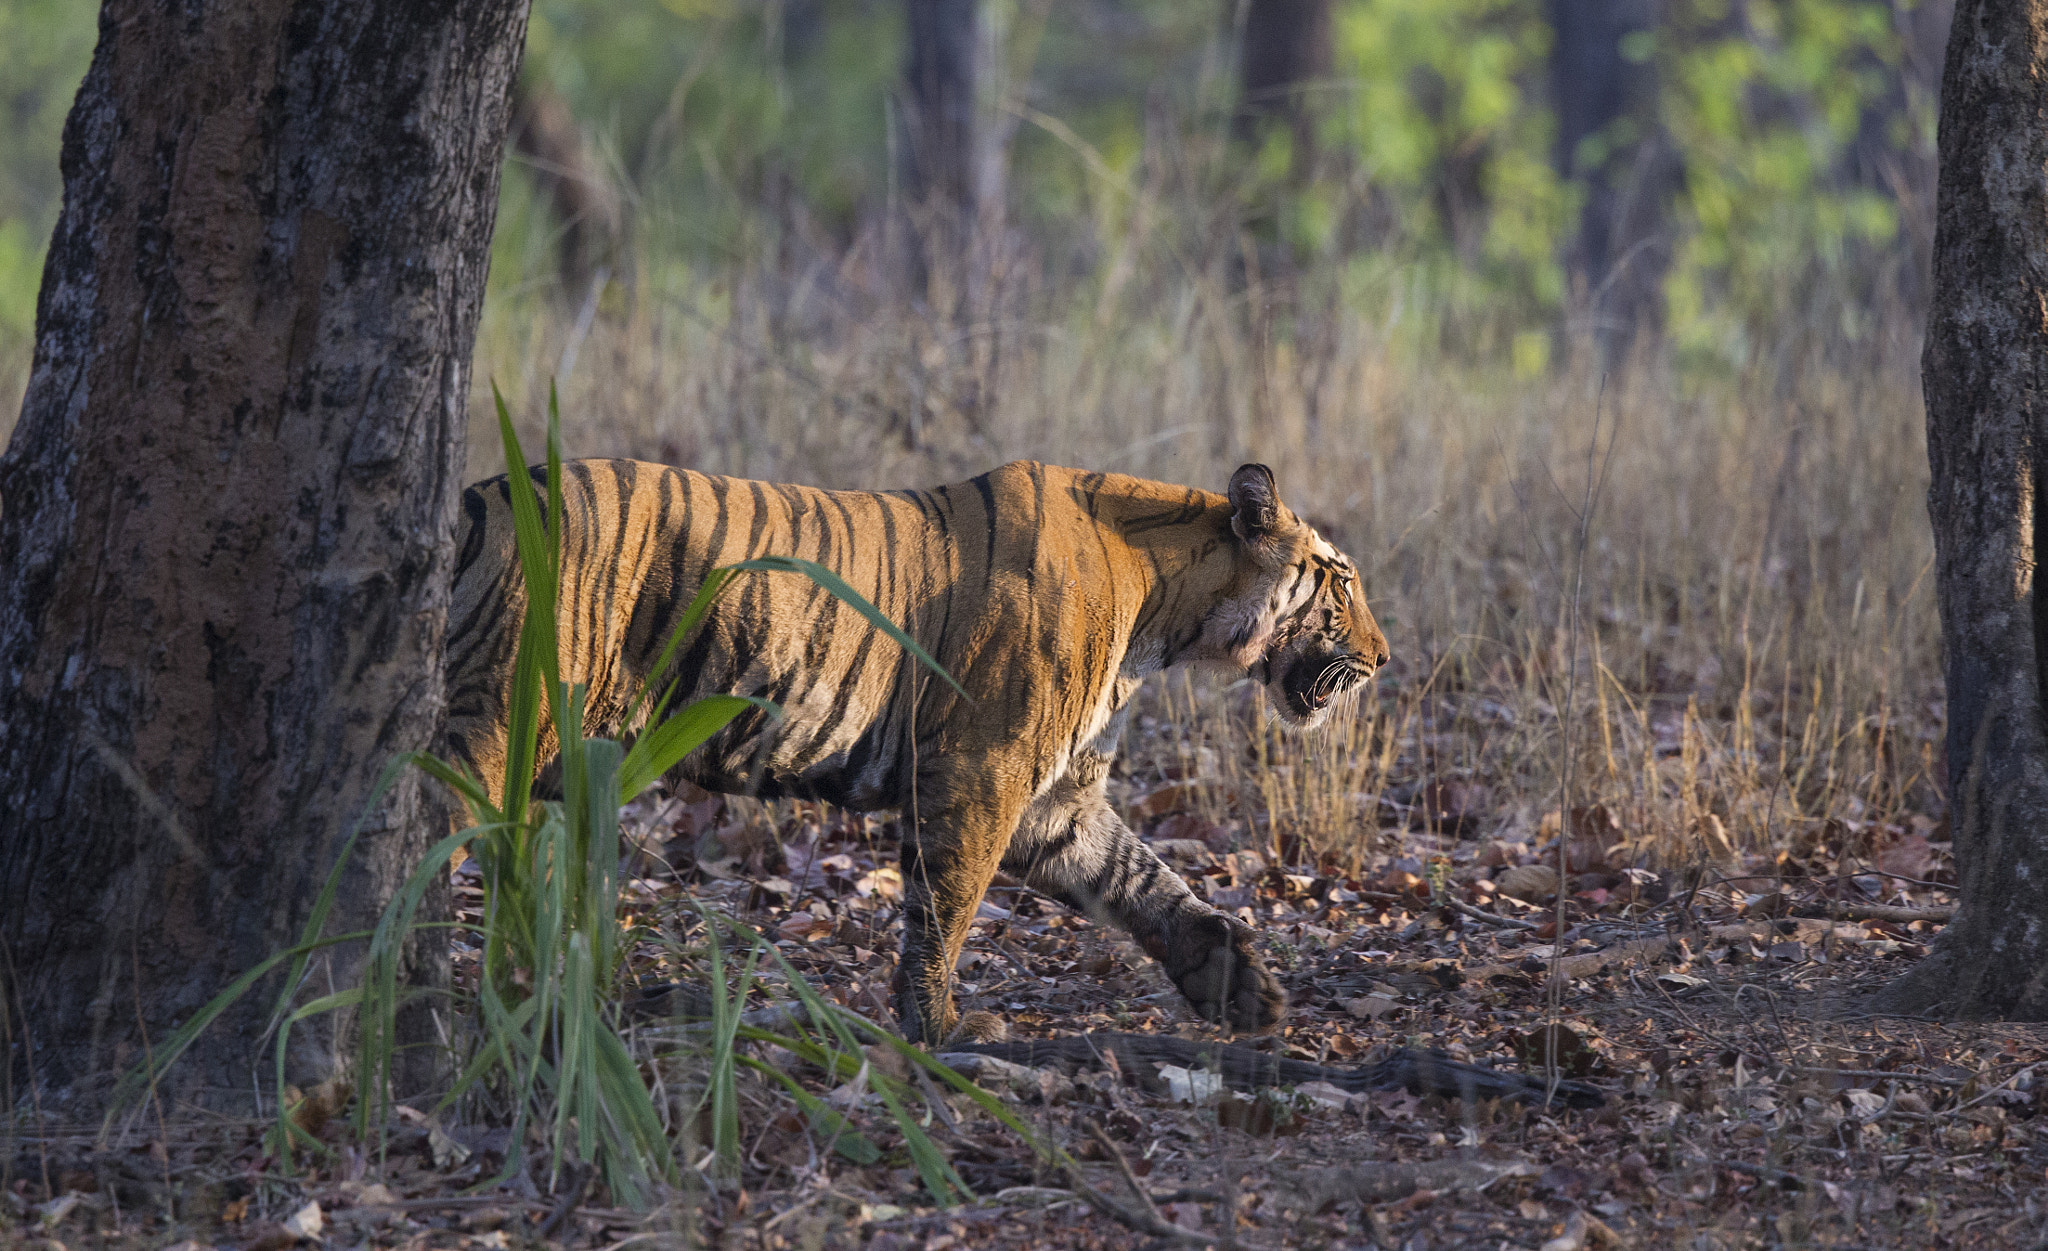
{"type": "Point", "coordinates": [1750, 1102]}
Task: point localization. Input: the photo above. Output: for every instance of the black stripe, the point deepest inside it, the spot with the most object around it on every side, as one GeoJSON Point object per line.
{"type": "Point", "coordinates": [759, 524]}
{"type": "Point", "coordinates": [475, 514]}
{"type": "Point", "coordinates": [680, 589]}
{"type": "Point", "coordinates": [988, 503]}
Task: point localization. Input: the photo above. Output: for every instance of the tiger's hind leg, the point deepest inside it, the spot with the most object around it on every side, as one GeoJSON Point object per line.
{"type": "Point", "coordinates": [1072, 846]}
{"type": "Point", "coordinates": [948, 862]}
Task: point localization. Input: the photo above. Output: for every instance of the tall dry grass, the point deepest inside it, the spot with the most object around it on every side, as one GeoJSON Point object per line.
{"type": "Point", "coordinates": [1756, 638]}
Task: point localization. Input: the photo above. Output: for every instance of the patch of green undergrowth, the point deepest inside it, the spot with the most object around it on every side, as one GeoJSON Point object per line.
{"type": "Point", "coordinates": [546, 1041]}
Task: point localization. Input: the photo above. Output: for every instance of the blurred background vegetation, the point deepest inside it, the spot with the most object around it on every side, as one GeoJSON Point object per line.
{"type": "Point", "coordinates": [1747, 179]}
{"type": "Point", "coordinates": [1455, 268]}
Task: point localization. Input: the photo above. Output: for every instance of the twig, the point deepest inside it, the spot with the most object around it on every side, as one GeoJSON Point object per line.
{"type": "Point", "coordinates": [1146, 1219]}
{"type": "Point", "coordinates": [1584, 964]}
{"type": "Point", "coordinates": [579, 1184]}
{"type": "Point", "coordinates": [1124, 1166]}
{"type": "Point", "coordinates": [1775, 1176]}
{"type": "Point", "coordinates": [1462, 908]}
{"type": "Point", "coordinates": [1885, 912]}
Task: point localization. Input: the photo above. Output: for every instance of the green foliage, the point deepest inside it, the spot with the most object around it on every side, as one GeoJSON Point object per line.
{"type": "Point", "coordinates": [44, 48]}
{"type": "Point", "coordinates": [548, 1040]}
{"type": "Point", "coordinates": [1765, 103]}
{"type": "Point", "coordinates": [1444, 119]}
{"type": "Point", "coordinates": [705, 109]}
{"type": "Point", "coordinates": [738, 136]}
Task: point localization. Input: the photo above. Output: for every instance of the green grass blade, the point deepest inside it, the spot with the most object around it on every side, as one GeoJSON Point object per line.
{"type": "Point", "coordinates": [598, 799]}
{"type": "Point", "coordinates": [838, 1131]}
{"type": "Point", "coordinates": [377, 1030]}
{"type": "Point", "coordinates": [136, 1081]}
{"type": "Point", "coordinates": [554, 450]}
{"type": "Point", "coordinates": [835, 584]}
{"type": "Point", "coordinates": [714, 582]}
{"type": "Point", "coordinates": [535, 664]}
{"type": "Point", "coordinates": [465, 786]}
{"type": "Point", "coordinates": [945, 1185]}
{"type": "Point", "coordinates": [663, 747]}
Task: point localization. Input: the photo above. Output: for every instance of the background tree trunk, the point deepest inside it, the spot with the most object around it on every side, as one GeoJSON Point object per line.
{"type": "Point", "coordinates": [1985, 374]}
{"type": "Point", "coordinates": [1285, 48]}
{"type": "Point", "coordinates": [1610, 142]}
{"type": "Point", "coordinates": [938, 103]}
{"type": "Point", "coordinates": [229, 506]}
{"type": "Point", "coordinates": [545, 134]}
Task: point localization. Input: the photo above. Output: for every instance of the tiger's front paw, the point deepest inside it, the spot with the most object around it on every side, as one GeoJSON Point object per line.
{"type": "Point", "coordinates": [1212, 960]}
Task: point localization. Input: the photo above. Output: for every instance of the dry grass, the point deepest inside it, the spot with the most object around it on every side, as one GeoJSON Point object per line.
{"type": "Point", "coordinates": [1758, 643]}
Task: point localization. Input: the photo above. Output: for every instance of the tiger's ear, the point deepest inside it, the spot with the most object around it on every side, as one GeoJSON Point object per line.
{"type": "Point", "coordinates": [1256, 502]}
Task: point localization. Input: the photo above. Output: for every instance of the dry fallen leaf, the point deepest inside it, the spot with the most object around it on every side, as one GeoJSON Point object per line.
{"type": "Point", "coordinates": [306, 1223]}
{"type": "Point", "coordinates": [1530, 883]}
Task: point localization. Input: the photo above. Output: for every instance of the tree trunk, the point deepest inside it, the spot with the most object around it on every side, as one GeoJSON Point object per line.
{"type": "Point", "coordinates": [229, 509]}
{"type": "Point", "coordinates": [938, 104]}
{"type": "Point", "coordinates": [1285, 48]}
{"type": "Point", "coordinates": [1628, 170]}
{"type": "Point", "coordinates": [1985, 373]}
{"type": "Point", "coordinates": [545, 134]}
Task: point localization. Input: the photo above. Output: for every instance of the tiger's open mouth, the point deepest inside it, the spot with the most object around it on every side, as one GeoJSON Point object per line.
{"type": "Point", "coordinates": [1313, 682]}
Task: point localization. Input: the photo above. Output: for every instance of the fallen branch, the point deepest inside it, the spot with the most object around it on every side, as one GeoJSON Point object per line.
{"type": "Point", "coordinates": [1585, 964]}
{"type": "Point", "coordinates": [1243, 1068]}
{"type": "Point", "coordinates": [1385, 1182]}
{"type": "Point", "coordinates": [1762, 1172]}
{"type": "Point", "coordinates": [1884, 912]}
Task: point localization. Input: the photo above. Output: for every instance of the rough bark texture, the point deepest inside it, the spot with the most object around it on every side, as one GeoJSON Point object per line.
{"type": "Point", "coordinates": [1985, 373]}
{"type": "Point", "coordinates": [228, 506]}
{"type": "Point", "coordinates": [1629, 169]}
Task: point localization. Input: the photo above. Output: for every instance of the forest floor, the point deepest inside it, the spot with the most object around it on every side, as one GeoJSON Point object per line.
{"type": "Point", "coordinates": [1750, 1103]}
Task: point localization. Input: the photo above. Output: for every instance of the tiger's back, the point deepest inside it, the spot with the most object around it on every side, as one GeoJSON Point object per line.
{"type": "Point", "coordinates": [1020, 603]}
{"type": "Point", "coordinates": [639, 540]}
{"type": "Point", "coordinates": [1047, 593]}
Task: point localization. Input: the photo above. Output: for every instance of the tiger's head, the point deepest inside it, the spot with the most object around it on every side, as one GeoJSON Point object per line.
{"type": "Point", "coordinates": [1296, 617]}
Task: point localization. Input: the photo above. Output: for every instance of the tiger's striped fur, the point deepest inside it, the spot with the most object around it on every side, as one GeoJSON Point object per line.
{"type": "Point", "coordinates": [1048, 593]}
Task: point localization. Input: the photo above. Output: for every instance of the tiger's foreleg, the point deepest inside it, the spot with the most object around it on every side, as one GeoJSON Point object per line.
{"type": "Point", "coordinates": [1072, 846]}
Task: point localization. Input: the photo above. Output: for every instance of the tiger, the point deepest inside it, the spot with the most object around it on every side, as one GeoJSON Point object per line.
{"type": "Point", "coordinates": [1048, 595]}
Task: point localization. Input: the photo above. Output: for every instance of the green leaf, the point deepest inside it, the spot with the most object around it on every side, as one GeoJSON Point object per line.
{"type": "Point", "coordinates": [662, 748]}
{"type": "Point", "coordinates": [845, 1139]}
{"type": "Point", "coordinates": [700, 603]}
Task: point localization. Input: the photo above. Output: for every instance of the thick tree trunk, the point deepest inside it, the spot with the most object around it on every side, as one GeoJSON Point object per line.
{"type": "Point", "coordinates": [1985, 372]}
{"type": "Point", "coordinates": [1628, 171]}
{"type": "Point", "coordinates": [228, 507]}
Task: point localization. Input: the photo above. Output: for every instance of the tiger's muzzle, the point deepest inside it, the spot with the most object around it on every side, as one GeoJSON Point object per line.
{"type": "Point", "coordinates": [1314, 680]}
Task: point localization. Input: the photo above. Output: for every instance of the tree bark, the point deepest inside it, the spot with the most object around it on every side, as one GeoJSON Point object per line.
{"type": "Point", "coordinates": [229, 510]}
{"type": "Point", "coordinates": [939, 78]}
{"type": "Point", "coordinates": [1285, 49]}
{"type": "Point", "coordinates": [545, 133]}
{"type": "Point", "coordinates": [1985, 374]}
{"type": "Point", "coordinates": [938, 161]}
{"type": "Point", "coordinates": [1628, 170]}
